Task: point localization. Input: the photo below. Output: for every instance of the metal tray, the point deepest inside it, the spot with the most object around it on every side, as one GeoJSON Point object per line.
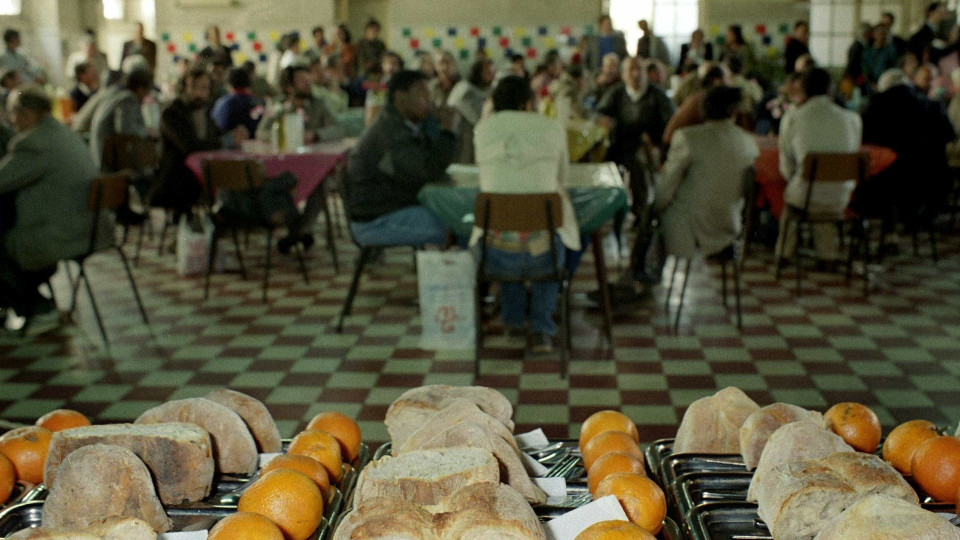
{"type": "Point", "coordinates": [654, 454]}
{"type": "Point", "coordinates": [726, 521]}
{"type": "Point", "coordinates": [676, 465]}
{"type": "Point", "coordinates": [22, 491]}
{"type": "Point", "coordinates": [694, 489]}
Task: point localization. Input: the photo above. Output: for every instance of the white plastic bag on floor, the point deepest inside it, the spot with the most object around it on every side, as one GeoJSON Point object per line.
{"type": "Point", "coordinates": [193, 245]}
{"type": "Point", "coordinates": [447, 316]}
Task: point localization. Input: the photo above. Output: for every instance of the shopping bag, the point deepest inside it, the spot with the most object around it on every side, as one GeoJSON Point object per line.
{"type": "Point", "coordinates": [447, 316]}
{"type": "Point", "coordinates": [193, 245]}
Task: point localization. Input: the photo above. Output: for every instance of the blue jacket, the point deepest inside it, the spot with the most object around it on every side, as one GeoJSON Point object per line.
{"type": "Point", "coordinates": [237, 109]}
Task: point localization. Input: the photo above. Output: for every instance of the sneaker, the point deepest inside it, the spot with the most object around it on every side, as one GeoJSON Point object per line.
{"type": "Point", "coordinates": [40, 323]}
{"type": "Point", "coordinates": [285, 244]}
{"type": "Point", "coordinates": [307, 241]}
{"type": "Point", "coordinates": [541, 343]}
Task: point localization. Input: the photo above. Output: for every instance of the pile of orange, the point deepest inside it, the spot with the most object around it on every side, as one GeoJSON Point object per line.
{"type": "Point", "coordinates": [615, 530]}
{"type": "Point", "coordinates": [23, 451]}
{"type": "Point", "coordinates": [291, 489]}
{"type": "Point", "coordinates": [856, 424]}
{"type": "Point", "coordinates": [609, 444]}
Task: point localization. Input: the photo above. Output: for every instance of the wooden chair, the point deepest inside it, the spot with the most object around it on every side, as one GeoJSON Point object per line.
{"type": "Point", "coordinates": [239, 176]}
{"type": "Point", "coordinates": [139, 157]}
{"type": "Point", "coordinates": [732, 255]}
{"type": "Point", "coordinates": [827, 168]}
{"type": "Point", "coordinates": [527, 212]}
{"type": "Point", "coordinates": [107, 193]}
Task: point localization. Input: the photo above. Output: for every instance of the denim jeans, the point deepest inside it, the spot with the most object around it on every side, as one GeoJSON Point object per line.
{"type": "Point", "coordinates": [513, 296]}
{"type": "Point", "coordinates": [410, 226]}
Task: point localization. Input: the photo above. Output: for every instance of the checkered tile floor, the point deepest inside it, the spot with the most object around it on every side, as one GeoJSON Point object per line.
{"type": "Point", "coordinates": [897, 351]}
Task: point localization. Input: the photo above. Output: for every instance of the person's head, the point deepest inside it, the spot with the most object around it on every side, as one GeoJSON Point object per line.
{"type": "Point", "coordinates": [195, 87]}
{"type": "Point", "coordinates": [644, 26]}
{"type": "Point", "coordinates": [893, 77]}
{"type": "Point", "coordinates": [249, 67]}
{"type": "Point", "coordinates": [734, 35]}
{"type": "Point", "coordinates": [518, 66]}
{"type": "Point", "coordinates": [878, 35]}
{"type": "Point", "coordinates": [553, 63]}
{"type": "Point", "coordinates": [610, 64]}
{"type": "Point", "coordinates": [801, 31]}
{"type": "Point", "coordinates": [715, 76]}
{"type": "Point", "coordinates": [213, 35]}
{"type": "Point", "coordinates": [866, 32]}
{"type": "Point", "coordinates": [318, 36]}
{"type": "Point", "coordinates": [27, 106]}
{"type": "Point", "coordinates": [423, 62]}
{"type": "Point", "coordinates": [10, 78]}
{"type": "Point", "coordinates": [218, 72]}
{"type": "Point", "coordinates": [605, 24]}
{"type": "Point", "coordinates": [936, 12]}
{"type": "Point", "coordinates": [696, 38]}
{"type": "Point", "coordinates": [630, 72]}
{"type": "Point", "coordinates": [887, 18]}
{"type": "Point", "coordinates": [577, 73]}
{"type": "Point", "coordinates": [295, 81]}
{"type": "Point", "coordinates": [656, 75]}
{"type": "Point", "coordinates": [923, 77]}
{"type": "Point", "coordinates": [512, 93]}
{"type": "Point", "coordinates": [720, 103]}
{"type": "Point", "coordinates": [481, 74]}
{"type": "Point", "coordinates": [371, 30]}
{"type": "Point", "coordinates": [407, 91]}
{"type": "Point", "coordinates": [138, 31]}
{"type": "Point", "coordinates": [11, 38]}
{"type": "Point", "coordinates": [793, 88]}
{"type": "Point", "coordinates": [909, 64]}
{"type": "Point", "coordinates": [446, 64]}
{"type": "Point", "coordinates": [294, 42]}
{"type": "Point", "coordinates": [88, 43]}
{"type": "Point", "coordinates": [816, 82]}
{"type": "Point", "coordinates": [804, 62]}
{"type": "Point", "coordinates": [343, 33]}
{"type": "Point", "coordinates": [140, 82]}
{"type": "Point", "coordinates": [333, 68]}
{"type": "Point", "coordinates": [391, 63]}
{"type": "Point", "coordinates": [735, 65]}
{"type": "Point", "coordinates": [86, 73]}
{"type": "Point", "coordinates": [238, 78]}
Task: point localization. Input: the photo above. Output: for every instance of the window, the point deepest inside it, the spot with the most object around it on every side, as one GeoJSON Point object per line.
{"type": "Point", "coordinates": [10, 7]}
{"type": "Point", "coordinates": [870, 11]}
{"type": "Point", "coordinates": [671, 20]}
{"type": "Point", "coordinates": [113, 10]}
{"type": "Point", "coordinates": [832, 27]}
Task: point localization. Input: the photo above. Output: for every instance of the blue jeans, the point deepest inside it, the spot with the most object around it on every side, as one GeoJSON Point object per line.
{"type": "Point", "coordinates": [410, 226]}
{"type": "Point", "coordinates": [513, 296]}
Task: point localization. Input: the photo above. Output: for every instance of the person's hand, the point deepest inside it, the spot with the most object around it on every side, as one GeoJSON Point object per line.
{"type": "Point", "coordinates": [448, 118]}
{"type": "Point", "coordinates": [240, 134]}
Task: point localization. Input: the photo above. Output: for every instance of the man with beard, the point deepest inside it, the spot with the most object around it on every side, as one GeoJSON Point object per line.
{"type": "Point", "coordinates": [319, 124]}
{"type": "Point", "coordinates": [186, 127]}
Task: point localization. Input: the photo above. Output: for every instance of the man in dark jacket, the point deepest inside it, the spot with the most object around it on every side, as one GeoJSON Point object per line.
{"type": "Point", "coordinates": [403, 150]}
{"type": "Point", "coordinates": [921, 43]}
{"type": "Point", "coordinates": [240, 107]}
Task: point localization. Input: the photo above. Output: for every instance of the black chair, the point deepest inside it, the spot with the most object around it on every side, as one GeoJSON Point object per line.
{"type": "Point", "coordinates": [140, 158]}
{"type": "Point", "coordinates": [731, 255]}
{"type": "Point", "coordinates": [828, 168]}
{"type": "Point", "coordinates": [107, 193]}
{"type": "Point", "coordinates": [239, 176]}
{"type": "Point", "coordinates": [522, 212]}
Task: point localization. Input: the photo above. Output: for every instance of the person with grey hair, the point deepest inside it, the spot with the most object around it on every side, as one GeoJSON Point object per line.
{"type": "Point", "coordinates": [120, 114]}
{"type": "Point", "coordinates": [47, 173]}
{"type": "Point", "coordinates": [447, 77]}
{"type": "Point", "coordinates": [86, 53]}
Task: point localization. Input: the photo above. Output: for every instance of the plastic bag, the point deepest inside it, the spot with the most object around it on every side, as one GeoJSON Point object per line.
{"type": "Point", "coordinates": [447, 280]}
{"type": "Point", "coordinates": [193, 245]}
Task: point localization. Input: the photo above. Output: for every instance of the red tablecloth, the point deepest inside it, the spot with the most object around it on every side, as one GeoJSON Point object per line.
{"type": "Point", "coordinates": [310, 166]}
{"type": "Point", "coordinates": [771, 184]}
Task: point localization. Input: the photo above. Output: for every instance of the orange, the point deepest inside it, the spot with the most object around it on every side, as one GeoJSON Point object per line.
{"type": "Point", "coordinates": [606, 442]}
{"type": "Point", "coordinates": [936, 468]}
{"type": "Point", "coordinates": [27, 448]}
{"type": "Point", "coordinates": [641, 498]}
{"type": "Point", "coordinates": [857, 424]}
{"type": "Point", "coordinates": [322, 447]}
{"type": "Point", "coordinates": [289, 499]}
{"type": "Point", "coordinates": [307, 465]}
{"type": "Point", "coordinates": [599, 422]}
{"type": "Point", "coordinates": [904, 440]}
{"type": "Point", "coordinates": [343, 428]}
{"type": "Point", "coordinates": [245, 526]}
{"type": "Point", "coordinates": [8, 477]}
{"type": "Point", "coordinates": [610, 463]}
{"type": "Point", "coordinates": [62, 419]}
{"type": "Point", "coordinates": [615, 530]}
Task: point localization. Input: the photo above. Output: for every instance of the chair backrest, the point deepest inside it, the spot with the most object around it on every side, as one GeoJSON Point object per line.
{"type": "Point", "coordinates": [518, 211]}
{"type": "Point", "coordinates": [121, 152]}
{"type": "Point", "coordinates": [108, 192]}
{"type": "Point", "coordinates": [833, 167]}
{"type": "Point", "coordinates": [232, 174]}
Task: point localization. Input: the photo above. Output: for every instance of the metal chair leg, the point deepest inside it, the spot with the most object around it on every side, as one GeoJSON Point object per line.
{"type": "Point", "coordinates": [236, 244]}
{"type": "Point", "coordinates": [298, 251]}
{"type": "Point", "coordinates": [565, 323]}
{"type": "Point", "coordinates": [736, 293]}
{"type": "Point", "coordinates": [362, 260]}
{"type": "Point", "coordinates": [266, 269]}
{"type": "Point", "coordinates": [797, 257]}
{"type": "Point", "coordinates": [866, 257]}
{"type": "Point", "coordinates": [673, 276]}
{"type": "Point", "coordinates": [723, 282]}
{"type": "Point", "coordinates": [478, 323]}
{"type": "Point", "coordinates": [683, 290]}
{"type": "Point", "coordinates": [133, 285]}
{"type": "Point", "coordinates": [96, 310]}
{"type": "Point", "coordinates": [211, 257]}
{"type": "Point", "coordinates": [163, 234]}
{"type": "Point", "coordinates": [331, 244]}
{"type": "Point", "coordinates": [136, 255]}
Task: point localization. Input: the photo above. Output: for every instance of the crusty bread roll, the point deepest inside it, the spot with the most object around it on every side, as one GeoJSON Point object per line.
{"type": "Point", "coordinates": [410, 411]}
{"type": "Point", "coordinates": [255, 414]}
{"type": "Point", "coordinates": [234, 450]}
{"type": "Point", "coordinates": [425, 477]}
{"type": "Point", "coordinates": [711, 425]}
{"type": "Point", "coordinates": [798, 497]}
{"type": "Point", "coordinates": [879, 517]}
{"type": "Point", "coordinates": [179, 456]}
{"type": "Point", "coordinates": [52, 534]}
{"type": "Point", "coordinates": [758, 427]}
{"type": "Point", "coordinates": [797, 441]}
{"type": "Point", "coordinates": [512, 471]}
{"type": "Point", "coordinates": [386, 519]}
{"type": "Point", "coordinates": [457, 411]}
{"type": "Point", "coordinates": [101, 481]}
{"type": "Point", "coordinates": [111, 528]}
{"type": "Point", "coordinates": [869, 474]}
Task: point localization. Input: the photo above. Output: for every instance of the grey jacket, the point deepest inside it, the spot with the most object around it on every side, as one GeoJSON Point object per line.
{"type": "Point", "coordinates": [118, 115]}
{"type": "Point", "coordinates": [50, 171]}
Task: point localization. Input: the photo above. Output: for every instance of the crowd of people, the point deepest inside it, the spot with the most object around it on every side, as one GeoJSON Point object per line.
{"type": "Point", "coordinates": [683, 139]}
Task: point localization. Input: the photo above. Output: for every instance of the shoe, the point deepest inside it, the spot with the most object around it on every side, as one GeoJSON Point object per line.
{"type": "Point", "coordinates": [541, 343]}
{"type": "Point", "coordinates": [307, 241]}
{"type": "Point", "coordinates": [126, 216]}
{"type": "Point", "coordinates": [621, 293]}
{"type": "Point", "coordinates": [285, 244]}
{"type": "Point", "coordinates": [35, 325]}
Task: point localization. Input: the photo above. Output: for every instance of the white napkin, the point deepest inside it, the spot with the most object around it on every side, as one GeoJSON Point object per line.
{"type": "Point", "coordinates": [265, 458]}
{"type": "Point", "coordinates": [533, 439]}
{"type": "Point", "coordinates": [569, 525]}
{"type": "Point", "coordinates": [533, 467]}
{"type": "Point", "coordinates": [555, 488]}
{"type": "Point", "coordinates": [191, 535]}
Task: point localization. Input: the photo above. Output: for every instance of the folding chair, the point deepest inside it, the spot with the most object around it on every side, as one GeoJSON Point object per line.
{"type": "Point", "coordinates": [526, 212]}
{"type": "Point", "coordinates": [140, 158]}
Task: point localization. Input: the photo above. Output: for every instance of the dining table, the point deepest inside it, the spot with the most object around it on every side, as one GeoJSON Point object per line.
{"type": "Point", "coordinates": [596, 191]}
{"type": "Point", "coordinates": [771, 184]}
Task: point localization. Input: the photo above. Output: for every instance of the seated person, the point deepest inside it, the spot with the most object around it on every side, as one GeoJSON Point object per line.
{"type": "Point", "coordinates": [88, 82]}
{"type": "Point", "coordinates": [120, 113]}
{"type": "Point", "coordinates": [467, 98]}
{"type": "Point", "coordinates": [240, 106]}
{"type": "Point", "coordinates": [520, 151]}
{"type": "Point", "coordinates": [403, 150]}
{"type": "Point", "coordinates": [699, 194]}
{"type": "Point", "coordinates": [319, 124]}
{"type": "Point", "coordinates": [326, 75]}
{"type": "Point", "coordinates": [690, 112]}
{"type": "Point", "coordinates": [48, 170]}
{"type": "Point", "coordinates": [375, 82]}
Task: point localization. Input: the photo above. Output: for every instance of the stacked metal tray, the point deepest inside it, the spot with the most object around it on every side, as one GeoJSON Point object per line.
{"type": "Point", "coordinates": [224, 495]}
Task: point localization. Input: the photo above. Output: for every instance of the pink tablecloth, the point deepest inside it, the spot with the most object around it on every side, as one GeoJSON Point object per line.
{"type": "Point", "coordinates": [311, 167]}
{"type": "Point", "coordinates": [771, 184]}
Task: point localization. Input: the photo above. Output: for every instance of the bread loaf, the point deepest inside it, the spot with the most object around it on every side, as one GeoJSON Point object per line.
{"type": "Point", "coordinates": [711, 425]}
{"type": "Point", "coordinates": [112, 528]}
{"type": "Point", "coordinates": [255, 414]}
{"type": "Point", "coordinates": [868, 474]}
{"type": "Point", "coordinates": [879, 517]}
{"type": "Point", "coordinates": [457, 411]}
{"type": "Point", "coordinates": [179, 456]}
{"type": "Point", "coordinates": [234, 450]}
{"type": "Point", "coordinates": [386, 519]}
{"type": "Point", "coordinates": [758, 427]}
{"type": "Point", "coordinates": [797, 441]}
{"type": "Point", "coordinates": [512, 471]}
{"type": "Point", "coordinates": [798, 497]}
{"type": "Point", "coordinates": [52, 534]}
{"type": "Point", "coordinates": [425, 477]}
{"type": "Point", "coordinates": [410, 411]}
{"type": "Point", "coordinates": [101, 481]}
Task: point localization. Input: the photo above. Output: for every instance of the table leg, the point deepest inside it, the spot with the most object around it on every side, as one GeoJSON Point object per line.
{"type": "Point", "coordinates": [331, 244]}
{"type": "Point", "coordinates": [600, 263]}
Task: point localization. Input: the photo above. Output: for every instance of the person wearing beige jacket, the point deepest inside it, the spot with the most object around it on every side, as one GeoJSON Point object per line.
{"type": "Point", "coordinates": [520, 151]}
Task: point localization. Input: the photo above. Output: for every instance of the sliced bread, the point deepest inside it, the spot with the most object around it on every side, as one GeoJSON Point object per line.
{"type": "Point", "coordinates": [255, 414]}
